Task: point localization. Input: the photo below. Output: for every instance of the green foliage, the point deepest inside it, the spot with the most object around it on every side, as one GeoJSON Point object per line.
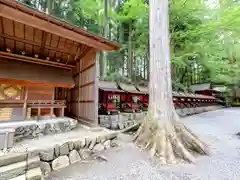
{"type": "Point", "coordinates": [201, 33]}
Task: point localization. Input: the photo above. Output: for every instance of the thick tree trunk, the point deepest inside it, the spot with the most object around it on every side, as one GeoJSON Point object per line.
{"type": "Point", "coordinates": [49, 7]}
{"type": "Point", "coordinates": [106, 32]}
{"type": "Point", "coordinates": [161, 131]}
{"type": "Point", "coordinates": [130, 53]}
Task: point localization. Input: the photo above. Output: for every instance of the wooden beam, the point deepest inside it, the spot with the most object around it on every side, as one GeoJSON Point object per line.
{"type": "Point", "coordinates": [4, 41]}
{"type": "Point", "coordinates": [34, 60]}
{"type": "Point", "coordinates": [34, 43]}
{"type": "Point", "coordinates": [43, 43]}
{"type": "Point", "coordinates": [31, 83]}
{"type": "Point", "coordinates": [87, 84]}
{"type": "Point", "coordinates": [88, 49]}
{"type": "Point", "coordinates": [36, 20]}
{"type": "Point", "coordinates": [25, 103]}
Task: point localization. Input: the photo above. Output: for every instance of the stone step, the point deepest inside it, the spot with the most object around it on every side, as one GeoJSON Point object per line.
{"type": "Point", "coordinates": [12, 158]}
{"type": "Point", "coordinates": [19, 168]}
{"type": "Point", "coordinates": [32, 174]}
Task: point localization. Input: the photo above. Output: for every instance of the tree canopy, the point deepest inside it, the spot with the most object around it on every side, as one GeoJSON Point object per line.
{"type": "Point", "coordinates": [204, 37]}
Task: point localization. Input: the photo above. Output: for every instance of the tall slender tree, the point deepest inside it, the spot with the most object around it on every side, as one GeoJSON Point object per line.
{"type": "Point", "coordinates": [161, 131]}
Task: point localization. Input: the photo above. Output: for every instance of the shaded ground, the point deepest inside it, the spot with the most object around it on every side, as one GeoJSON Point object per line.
{"type": "Point", "coordinates": [217, 128]}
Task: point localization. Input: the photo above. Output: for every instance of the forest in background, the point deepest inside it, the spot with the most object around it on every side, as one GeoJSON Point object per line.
{"type": "Point", "coordinates": [204, 37]}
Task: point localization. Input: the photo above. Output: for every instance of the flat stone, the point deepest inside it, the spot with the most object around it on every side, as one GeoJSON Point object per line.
{"type": "Point", "coordinates": [98, 148]}
{"type": "Point", "coordinates": [74, 156]}
{"type": "Point", "coordinates": [70, 145]}
{"type": "Point", "coordinates": [47, 154]}
{"type": "Point", "coordinates": [45, 168]}
{"type": "Point", "coordinates": [34, 174]}
{"type": "Point", "coordinates": [107, 144]}
{"type": "Point", "coordinates": [12, 158]}
{"type": "Point", "coordinates": [60, 162]}
{"type": "Point", "coordinates": [19, 168]}
{"type": "Point", "coordinates": [64, 149]}
{"type": "Point", "coordinates": [84, 153]}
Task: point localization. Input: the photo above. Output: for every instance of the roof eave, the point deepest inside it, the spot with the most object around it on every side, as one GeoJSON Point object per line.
{"type": "Point", "coordinates": [102, 44]}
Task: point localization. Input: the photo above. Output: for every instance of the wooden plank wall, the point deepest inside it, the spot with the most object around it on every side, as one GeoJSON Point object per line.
{"type": "Point", "coordinates": [40, 93]}
{"type": "Point", "coordinates": [83, 95]}
{"type": "Point", "coordinates": [9, 92]}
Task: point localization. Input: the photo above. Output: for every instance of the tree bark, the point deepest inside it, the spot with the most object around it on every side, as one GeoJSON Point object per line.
{"type": "Point", "coordinates": [161, 131]}
{"type": "Point", "coordinates": [49, 7]}
{"type": "Point", "coordinates": [130, 53]}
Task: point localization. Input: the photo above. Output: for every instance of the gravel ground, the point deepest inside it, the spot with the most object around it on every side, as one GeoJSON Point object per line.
{"type": "Point", "coordinates": [126, 162]}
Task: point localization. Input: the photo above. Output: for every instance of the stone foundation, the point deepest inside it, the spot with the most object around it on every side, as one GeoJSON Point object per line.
{"type": "Point", "coordinates": [34, 129]}
{"type": "Point", "coordinates": [124, 120]}
{"type": "Point", "coordinates": [40, 161]}
{"type": "Point", "coordinates": [63, 155]}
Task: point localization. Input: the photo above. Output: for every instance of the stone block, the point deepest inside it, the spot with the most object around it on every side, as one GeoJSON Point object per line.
{"type": "Point", "coordinates": [84, 153]}
{"type": "Point", "coordinates": [78, 144]}
{"type": "Point", "coordinates": [34, 174]}
{"type": "Point", "coordinates": [98, 148]}
{"type": "Point", "coordinates": [47, 154]}
{"type": "Point", "coordinates": [87, 141]}
{"type": "Point", "coordinates": [12, 158]}
{"type": "Point", "coordinates": [56, 150]}
{"type": "Point", "coordinates": [60, 162]}
{"type": "Point", "coordinates": [71, 145]}
{"type": "Point", "coordinates": [64, 149]}
{"type": "Point", "coordinates": [92, 144]}
{"type": "Point", "coordinates": [74, 157]}
{"type": "Point", "coordinates": [138, 116]}
{"type": "Point", "coordinates": [128, 116]}
{"type": "Point", "coordinates": [19, 168]}
{"type": "Point", "coordinates": [107, 144]}
{"type": "Point", "coordinates": [73, 123]}
{"type": "Point", "coordinates": [6, 138]}
{"type": "Point", "coordinates": [101, 139]}
{"type": "Point", "coordinates": [120, 121]}
{"type": "Point", "coordinates": [45, 168]}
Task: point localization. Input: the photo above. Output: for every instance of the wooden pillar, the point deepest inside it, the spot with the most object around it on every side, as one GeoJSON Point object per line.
{"type": "Point", "coordinates": [39, 113]}
{"type": "Point", "coordinates": [51, 112]}
{"type": "Point", "coordinates": [62, 112]}
{"type": "Point", "coordinates": [79, 90]}
{"type": "Point", "coordinates": [25, 103]}
{"type": "Point", "coordinates": [51, 109]}
{"type": "Point", "coordinates": [96, 87]}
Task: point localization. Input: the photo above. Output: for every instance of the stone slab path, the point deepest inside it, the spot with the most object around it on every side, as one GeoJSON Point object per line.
{"type": "Point", "coordinates": [217, 128]}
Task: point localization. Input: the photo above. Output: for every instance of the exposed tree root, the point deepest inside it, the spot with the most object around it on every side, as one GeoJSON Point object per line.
{"type": "Point", "coordinates": [170, 141]}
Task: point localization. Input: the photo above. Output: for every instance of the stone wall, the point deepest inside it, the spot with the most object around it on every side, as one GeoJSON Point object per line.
{"type": "Point", "coordinates": [40, 161]}
{"type": "Point", "coordinates": [124, 120]}
{"type": "Point", "coordinates": [34, 129]}
{"type": "Point", "coordinates": [62, 155]}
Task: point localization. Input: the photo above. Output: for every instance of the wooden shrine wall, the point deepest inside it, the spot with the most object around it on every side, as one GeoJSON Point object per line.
{"type": "Point", "coordinates": [40, 93]}
{"type": "Point", "coordinates": [10, 92]}
{"type": "Point", "coordinates": [83, 96]}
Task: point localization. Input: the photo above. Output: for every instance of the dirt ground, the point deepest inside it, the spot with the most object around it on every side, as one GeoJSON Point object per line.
{"type": "Point", "coordinates": [126, 162]}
